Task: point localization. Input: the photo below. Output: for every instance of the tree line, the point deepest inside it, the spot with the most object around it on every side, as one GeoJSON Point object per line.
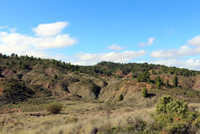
{"type": "Point", "coordinates": [104, 68]}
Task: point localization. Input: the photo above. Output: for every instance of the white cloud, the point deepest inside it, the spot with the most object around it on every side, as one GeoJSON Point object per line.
{"type": "Point", "coordinates": [13, 30]}
{"type": "Point", "coordinates": [91, 59]}
{"type": "Point", "coordinates": [63, 40]}
{"type": "Point", "coordinates": [3, 27]}
{"type": "Point", "coordinates": [50, 29]}
{"type": "Point", "coordinates": [185, 50]}
{"type": "Point", "coordinates": [149, 43]}
{"type": "Point", "coordinates": [195, 41]}
{"type": "Point", "coordinates": [174, 53]}
{"type": "Point", "coordinates": [171, 57]}
{"type": "Point", "coordinates": [182, 63]}
{"type": "Point", "coordinates": [115, 47]}
{"type": "Point", "coordinates": [22, 44]}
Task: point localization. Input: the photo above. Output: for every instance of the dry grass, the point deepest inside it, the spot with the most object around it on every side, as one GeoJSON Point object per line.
{"type": "Point", "coordinates": [75, 118]}
{"type": "Point", "coordinates": [194, 107]}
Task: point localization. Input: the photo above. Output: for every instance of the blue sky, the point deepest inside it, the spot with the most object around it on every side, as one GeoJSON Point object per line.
{"type": "Point", "coordinates": [85, 32]}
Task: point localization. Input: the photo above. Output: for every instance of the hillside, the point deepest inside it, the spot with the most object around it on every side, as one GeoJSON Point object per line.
{"type": "Point", "coordinates": [104, 81]}
{"type": "Point", "coordinates": [29, 84]}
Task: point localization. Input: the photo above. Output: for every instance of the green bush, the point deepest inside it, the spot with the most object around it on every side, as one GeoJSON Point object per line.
{"type": "Point", "coordinates": [121, 97]}
{"type": "Point", "coordinates": [176, 107]}
{"type": "Point", "coordinates": [176, 128]}
{"type": "Point", "coordinates": [54, 108]}
{"type": "Point", "coordinates": [169, 105]}
{"type": "Point", "coordinates": [173, 117]}
{"type": "Point", "coordinates": [161, 120]}
{"type": "Point", "coordinates": [55, 76]}
{"type": "Point", "coordinates": [196, 122]}
{"type": "Point", "coordinates": [144, 92]}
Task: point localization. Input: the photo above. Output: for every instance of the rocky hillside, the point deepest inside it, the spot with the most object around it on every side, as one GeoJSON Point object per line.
{"type": "Point", "coordinates": [23, 77]}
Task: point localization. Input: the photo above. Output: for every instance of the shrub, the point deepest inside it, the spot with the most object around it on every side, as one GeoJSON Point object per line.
{"type": "Point", "coordinates": [121, 97]}
{"type": "Point", "coordinates": [161, 120]}
{"type": "Point", "coordinates": [144, 92]}
{"type": "Point", "coordinates": [176, 107]}
{"type": "Point", "coordinates": [71, 120]}
{"type": "Point", "coordinates": [55, 76]}
{"type": "Point", "coordinates": [54, 108]}
{"type": "Point", "coordinates": [176, 128]}
{"type": "Point", "coordinates": [169, 105]}
{"type": "Point", "coordinates": [139, 124]}
{"type": "Point", "coordinates": [196, 122]}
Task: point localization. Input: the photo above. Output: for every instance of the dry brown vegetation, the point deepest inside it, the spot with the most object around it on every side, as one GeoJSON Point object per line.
{"type": "Point", "coordinates": [77, 117]}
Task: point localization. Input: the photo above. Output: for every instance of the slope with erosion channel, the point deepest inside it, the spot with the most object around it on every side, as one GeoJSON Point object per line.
{"type": "Point", "coordinates": [61, 86]}
{"type": "Point", "coordinates": [105, 81]}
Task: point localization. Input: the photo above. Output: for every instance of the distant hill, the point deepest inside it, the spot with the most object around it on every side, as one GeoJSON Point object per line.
{"type": "Point", "coordinates": [24, 77]}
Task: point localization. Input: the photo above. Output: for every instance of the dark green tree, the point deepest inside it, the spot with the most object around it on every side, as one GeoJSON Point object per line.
{"type": "Point", "coordinates": [167, 83]}
{"type": "Point", "coordinates": [12, 55]}
{"type": "Point", "coordinates": [157, 79]}
{"type": "Point", "coordinates": [24, 66]}
{"type": "Point", "coordinates": [143, 77]}
{"type": "Point", "coordinates": [158, 85]}
{"type": "Point", "coordinates": [139, 78]}
{"type": "Point", "coordinates": [175, 81]}
{"type": "Point", "coordinates": [148, 80]}
{"type": "Point", "coordinates": [153, 72]}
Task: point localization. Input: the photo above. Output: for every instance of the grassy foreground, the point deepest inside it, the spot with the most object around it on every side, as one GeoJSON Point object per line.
{"type": "Point", "coordinates": [79, 117]}
{"type": "Point", "coordinates": [76, 118]}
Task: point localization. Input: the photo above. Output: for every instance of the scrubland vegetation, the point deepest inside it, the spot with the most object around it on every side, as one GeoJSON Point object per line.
{"type": "Point", "coordinates": [53, 97]}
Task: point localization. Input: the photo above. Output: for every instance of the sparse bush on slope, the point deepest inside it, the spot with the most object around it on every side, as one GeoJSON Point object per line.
{"type": "Point", "coordinates": [121, 97]}
{"type": "Point", "coordinates": [54, 108]}
{"type": "Point", "coordinates": [144, 92]}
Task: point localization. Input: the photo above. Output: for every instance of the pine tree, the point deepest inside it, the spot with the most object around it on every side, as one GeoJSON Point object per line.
{"type": "Point", "coordinates": [157, 79]}
{"type": "Point", "coordinates": [139, 78]}
{"type": "Point", "coordinates": [158, 85]}
{"type": "Point", "coordinates": [175, 81]}
{"type": "Point", "coordinates": [167, 83]}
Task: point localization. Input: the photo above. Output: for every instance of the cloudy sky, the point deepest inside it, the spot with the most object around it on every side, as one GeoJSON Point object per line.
{"type": "Point", "coordinates": [85, 32]}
